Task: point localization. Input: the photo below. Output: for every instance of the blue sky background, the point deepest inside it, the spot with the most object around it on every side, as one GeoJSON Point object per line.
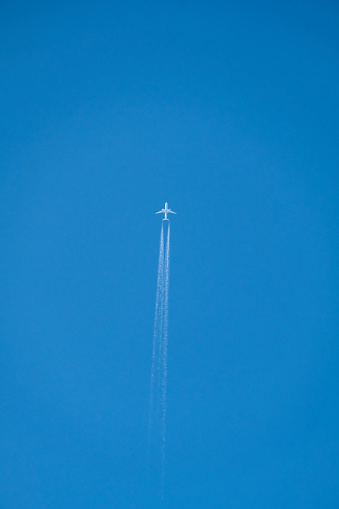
{"type": "Point", "coordinates": [228, 111]}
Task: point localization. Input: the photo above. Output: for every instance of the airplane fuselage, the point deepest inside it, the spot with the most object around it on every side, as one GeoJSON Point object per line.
{"type": "Point", "coordinates": [166, 212]}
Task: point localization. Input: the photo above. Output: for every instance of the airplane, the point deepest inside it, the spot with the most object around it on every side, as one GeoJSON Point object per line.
{"type": "Point", "coordinates": [166, 211]}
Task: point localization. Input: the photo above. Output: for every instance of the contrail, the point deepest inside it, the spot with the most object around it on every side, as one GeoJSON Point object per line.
{"type": "Point", "coordinates": [157, 322]}
{"type": "Point", "coordinates": [164, 354]}
{"type": "Point", "coordinates": [158, 408]}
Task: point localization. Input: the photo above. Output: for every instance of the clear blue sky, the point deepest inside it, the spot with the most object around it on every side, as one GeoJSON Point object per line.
{"type": "Point", "coordinates": [228, 111]}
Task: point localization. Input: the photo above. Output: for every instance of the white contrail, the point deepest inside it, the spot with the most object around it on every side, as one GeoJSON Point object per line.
{"type": "Point", "coordinates": [157, 320]}
{"type": "Point", "coordinates": [158, 409]}
{"type": "Point", "coordinates": [164, 352]}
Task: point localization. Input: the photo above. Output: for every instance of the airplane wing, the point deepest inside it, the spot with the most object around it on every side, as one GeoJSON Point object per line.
{"type": "Point", "coordinates": [171, 211]}
{"type": "Point", "coordinates": [160, 211]}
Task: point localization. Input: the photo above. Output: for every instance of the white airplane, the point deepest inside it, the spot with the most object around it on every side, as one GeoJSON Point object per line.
{"type": "Point", "coordinates": [166, 211]}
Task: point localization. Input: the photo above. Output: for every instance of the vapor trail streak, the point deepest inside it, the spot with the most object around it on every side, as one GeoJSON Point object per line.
{"type": "Point", "coordinates": [157, 320]}
{"type": "Point", "coordinates": [158, 395]}
{"type": "Point", "coordinates": [164, 352]}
